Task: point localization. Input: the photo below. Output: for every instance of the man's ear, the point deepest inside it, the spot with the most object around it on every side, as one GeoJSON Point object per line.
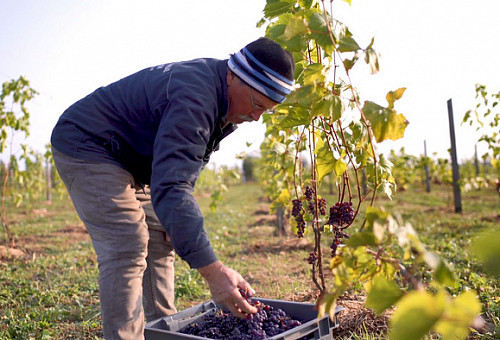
{"type": "Point", "coordinates": [230, 78]}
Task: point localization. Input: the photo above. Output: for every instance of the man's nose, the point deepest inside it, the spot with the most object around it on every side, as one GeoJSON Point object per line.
{"type": "Point", "coordinates": [255, 114]}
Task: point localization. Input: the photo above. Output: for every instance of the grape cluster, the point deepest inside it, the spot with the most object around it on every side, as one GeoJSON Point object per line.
{"type": "Point", "coordinates": [337, 239]}
{"type": "Point", "coordinates": [308, 192]}
{"type": "Point", "coordinates": [267, 322]}
{"type": "Point", "coordinates": [313, 257]}
{"type": "Point", "coordinates": [341, 213]}
{"type": "Point", "coordinates": [298, 214]}
{"type": "Point", "coordinates": [322, 206]}
{"type": "Point", "coordinates": [311, 206]}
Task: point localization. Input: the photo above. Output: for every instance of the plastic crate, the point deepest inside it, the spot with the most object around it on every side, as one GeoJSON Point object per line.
{"type": "Point", "coordinates": [311, 327]}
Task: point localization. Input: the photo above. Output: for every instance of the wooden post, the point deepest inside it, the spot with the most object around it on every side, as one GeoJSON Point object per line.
{"type": "Point", "coordinates": [476, 160]}
{"type": "Point", "coordinates": [48, 180]}
{"type": "Point", "coordinates": [454, 162]}
{"type": "Point", "coordinates": [426, 168]}
{"type": "Point", "coordinates": [281, 222]}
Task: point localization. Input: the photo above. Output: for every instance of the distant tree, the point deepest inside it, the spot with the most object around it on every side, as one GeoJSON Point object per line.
{"type": "Point", "coordinates": [486, 118]}
{"type": "Point", "coordinates": [14, 117]}
{"type": "Point", "coordinates": [249, 167]}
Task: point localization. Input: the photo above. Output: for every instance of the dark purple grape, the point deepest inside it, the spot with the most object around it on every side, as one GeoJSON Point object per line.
{"type": "Point", "coordinates": [301, 225]}
{"type": "Point", "coordinates": [297, 207]}
{"type": "Point", "coordinates": [313, 257]}
{"type": "Point", "coordinates": [341, 213]}
{"type": "Point", "coordinates": [298, 215]}
{"type": "Point", "coordinates": [310, 208]}
{"type": "Point", "coordinates": [322, 206]}
{"type": "Point", "coordinates": [267, 322]}
{"type": "Point", "coordinates": [309, 192]}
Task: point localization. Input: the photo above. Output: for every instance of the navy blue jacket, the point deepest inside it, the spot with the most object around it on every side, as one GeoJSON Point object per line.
{"type": "Point", "coordinates": [161, 124]}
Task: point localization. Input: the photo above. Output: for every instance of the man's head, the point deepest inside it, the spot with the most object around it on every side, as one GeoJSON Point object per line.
{"type": "Point", "coordinates": [260, 77]}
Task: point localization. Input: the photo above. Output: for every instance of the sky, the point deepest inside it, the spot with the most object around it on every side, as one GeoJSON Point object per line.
{"type": "Point", "coordinates": [438, 50]}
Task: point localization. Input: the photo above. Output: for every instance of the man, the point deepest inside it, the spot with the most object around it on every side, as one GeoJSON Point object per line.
{"type": "Point", "coordinates": [130, 154]}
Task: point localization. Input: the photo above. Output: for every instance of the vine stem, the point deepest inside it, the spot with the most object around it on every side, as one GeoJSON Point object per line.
{"type": "Point", "coordinates": [356, 102]}
{"type": "Point", "coordinates": [295, 163]}
{"type": "Point", "coordinates": [317, 232]}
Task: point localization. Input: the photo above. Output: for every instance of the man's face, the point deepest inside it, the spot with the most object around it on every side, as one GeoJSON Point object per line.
{"type": "Point", "coordinates": [245, 103]}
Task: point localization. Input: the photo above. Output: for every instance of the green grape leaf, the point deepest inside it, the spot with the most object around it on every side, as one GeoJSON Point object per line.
{"type": "Point", "coordinates": [331, 107]}
{"type": "Point", "coordinates": [383, 294]}
{"type": "Point", "coordinates": [415, 315]}
{"type": "Point", "coordinates": [386, 123]}
{"type": "Point", "coordinates": [319, 32]}
{"type": "Point", "coordinates": [325, 162]}
{"type": "Point", "coordinates": [276, 8]}
{"type": "Point", "coordinates": [307, 3]}
{"type": "Point", "coordinates": [295, 117]}
{"type": "Point", "coordinates": [296, 44]}
{"type": "Point", "coordinates": [276, 31]}
{"type": "Point", "coordinates": [348, 44]}
{"type": "Point", "coordinates": [441, 272]}
{"type": "Point", "coordinates": [486, 248]}
{"type": "Point", "coordinates": [363, 238]}
{"type": "Point", "coordinates": [349, 63]}
{"type": "Point", "coordinates": [304, 97]}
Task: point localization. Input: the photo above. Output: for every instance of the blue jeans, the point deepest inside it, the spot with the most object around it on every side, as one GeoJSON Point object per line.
{"type": "Point", "coordinates": [134, 254]}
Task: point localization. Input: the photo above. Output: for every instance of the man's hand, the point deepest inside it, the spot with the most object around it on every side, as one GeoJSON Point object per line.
{"type": "Point", "coordinates": [225, 285]}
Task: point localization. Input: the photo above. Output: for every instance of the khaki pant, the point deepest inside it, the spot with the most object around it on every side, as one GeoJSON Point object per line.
{"type": "Point", "coordinates": [135, 258]}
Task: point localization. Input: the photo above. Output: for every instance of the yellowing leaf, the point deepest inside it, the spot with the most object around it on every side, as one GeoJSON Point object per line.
{"type": "Point", "coordinates": [282, 200]}
{"type": "Point", "coordinates": [458, 316]}
{"type": "Point", "coordinates": [296, 26]}
{"type": "Point", "coordinates": [314, 75]}
{"type": "Point", "coordinates": [386, 123]}
{"type": "Point", "coordinates": [327, 304]}
{"type": "Point", "coordinates": [339, 167]}
{"type": "Point", "coordinates": [415, 315]}
{"type": "Point", "coordinates": [392, 96]}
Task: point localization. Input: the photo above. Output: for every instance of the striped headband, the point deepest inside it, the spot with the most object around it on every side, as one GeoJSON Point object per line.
{"type": "Point", "coordinates": [259, 76]}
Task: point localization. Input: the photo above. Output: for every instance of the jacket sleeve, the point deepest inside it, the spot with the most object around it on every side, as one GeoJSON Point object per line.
{"type": "Point", "coordinates": [187, 121]}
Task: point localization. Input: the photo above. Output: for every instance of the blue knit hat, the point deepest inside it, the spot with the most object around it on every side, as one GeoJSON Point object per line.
{"type": "Point", "coordinates": [265, 66]}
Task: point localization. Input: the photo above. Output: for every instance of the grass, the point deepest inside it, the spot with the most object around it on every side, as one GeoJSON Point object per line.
{"type": "Point", "coordinates": [51, 291]}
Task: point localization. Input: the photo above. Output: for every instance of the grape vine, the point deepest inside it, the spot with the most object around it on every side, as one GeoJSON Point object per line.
{"type": "Point", "coordinates": [324, 131]}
